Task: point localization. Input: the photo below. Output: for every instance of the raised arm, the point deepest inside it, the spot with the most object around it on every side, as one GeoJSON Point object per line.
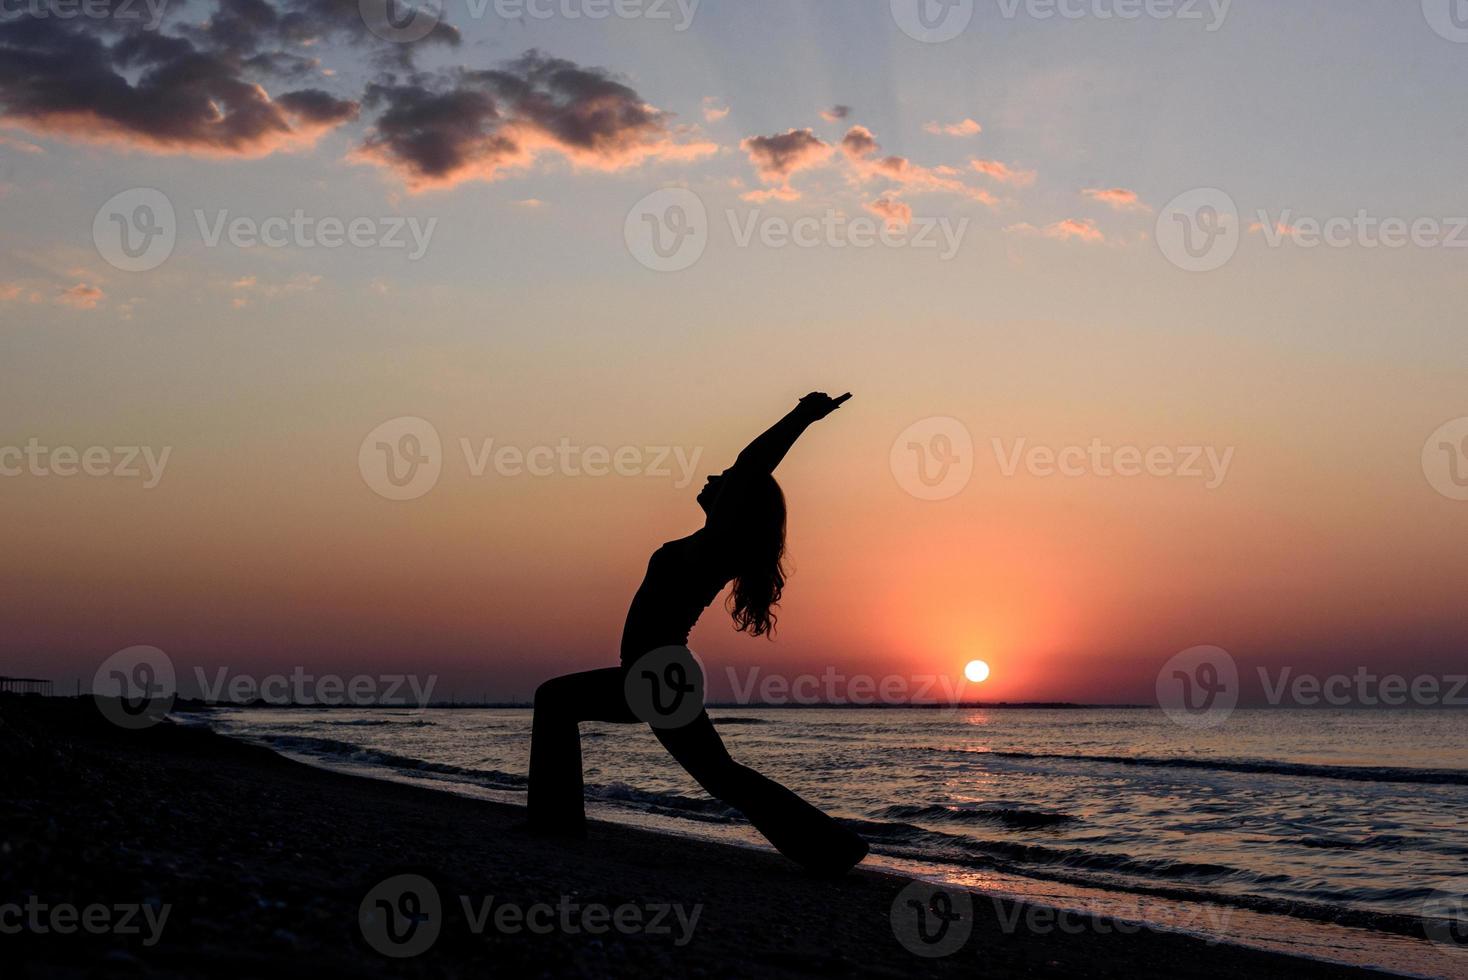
{"type": "Point", "coordinates": [762, 455]}
{"type": "Point", "coordinates": [769, 447]}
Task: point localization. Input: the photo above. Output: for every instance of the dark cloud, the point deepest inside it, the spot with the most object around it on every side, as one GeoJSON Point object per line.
{"type": "Point", "coordinates": [247, 27]}
{"type": "Point", "coordinates": [202, 88]}
{"type": "Point", "coordinates": [858, 142]}
{"type": "Point", "coordinates": [472, 124]}
{"type": "Point", "coordinates": [112, 82]}
{"type": "Point", "coordinates": [778, 156]}
{"type": "Point", "coordinates": [434, 136]}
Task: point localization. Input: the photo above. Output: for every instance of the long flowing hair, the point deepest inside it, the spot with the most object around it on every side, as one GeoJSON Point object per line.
{"type": "Point", "coordinates": [759, 574]}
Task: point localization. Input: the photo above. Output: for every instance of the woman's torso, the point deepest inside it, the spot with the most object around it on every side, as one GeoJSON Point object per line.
{"type": "Point", "coordinates": [683, 577]}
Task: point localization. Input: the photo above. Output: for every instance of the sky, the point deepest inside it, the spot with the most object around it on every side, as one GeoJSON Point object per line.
{"type": "Point", "coordinates": [1113, 399]}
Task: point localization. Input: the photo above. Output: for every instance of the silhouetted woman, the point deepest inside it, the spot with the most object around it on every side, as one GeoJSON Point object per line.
{"type": "Point", "coordinates": [742, 541]}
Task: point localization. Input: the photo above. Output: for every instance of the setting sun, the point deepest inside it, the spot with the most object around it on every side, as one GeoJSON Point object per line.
{"type": "Point", "coordinates": [977, 671]}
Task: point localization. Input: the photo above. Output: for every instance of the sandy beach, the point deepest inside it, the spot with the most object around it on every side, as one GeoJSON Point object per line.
{"type": "Point", "coordinates": [233, 860]}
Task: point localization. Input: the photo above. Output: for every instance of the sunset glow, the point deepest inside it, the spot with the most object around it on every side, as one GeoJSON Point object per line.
{"type": "Point", "coordinates": [1152, 458]}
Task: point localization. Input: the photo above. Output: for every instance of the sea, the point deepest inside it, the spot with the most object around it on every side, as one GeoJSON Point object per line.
{"type": "Point", "coordinates": [1340, 835]}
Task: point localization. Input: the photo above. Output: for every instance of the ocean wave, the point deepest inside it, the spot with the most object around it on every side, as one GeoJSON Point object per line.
{"type": "Point", "coordinates": [1015, 817]}
{"type": "Point", "coordinates": [330, 748]}
{"type": "Point", "coordinates": [667, 804]}
{"type": "Point", "coordinates": [1364, 774]}
{"type": "Point", "coordinates": [1180, 891]}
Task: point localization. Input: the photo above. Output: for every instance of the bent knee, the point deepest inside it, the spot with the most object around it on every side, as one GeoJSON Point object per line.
{"type": "Point", "coordinates": [550, 693]}
{"type": "Point", "coordinates": [724, 780]}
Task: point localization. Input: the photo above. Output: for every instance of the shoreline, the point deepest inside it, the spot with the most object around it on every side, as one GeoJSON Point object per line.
{"type": "Point", "coordinates": [264, 863]}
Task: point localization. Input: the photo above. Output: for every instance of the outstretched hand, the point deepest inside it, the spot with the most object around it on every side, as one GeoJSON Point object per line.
{"type": "Point", "coordinates": [818, 404]}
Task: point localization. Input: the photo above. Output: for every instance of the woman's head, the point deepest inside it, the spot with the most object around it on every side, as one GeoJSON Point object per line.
{"type": "Point", "coordinates": [756, 531]}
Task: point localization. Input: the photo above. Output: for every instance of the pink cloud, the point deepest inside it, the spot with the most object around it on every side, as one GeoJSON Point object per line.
{"type": "Point", "coordinates": [1004, 173]}
{"type": "Point", "coordinates": [1118, 198]}
{"type": "Point", "coordinates": [712, 111]}
{"type": "Point", "coordinates": [249, 288]}
{"type": "Point", "coordinates": [894, 212]}
{"type": "Point", "coordinates": [964, 127]}
{"type": "Point", "coordinates": [861, 148]}
{"type": "Point", "coordinates": [81, 297]}
{"type": "Point", "coordinates": [1082, 229]}
{"type": "Point", "coordinates": [836, 113]}
{"type": "Point", "coordinates": [784, 193]}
